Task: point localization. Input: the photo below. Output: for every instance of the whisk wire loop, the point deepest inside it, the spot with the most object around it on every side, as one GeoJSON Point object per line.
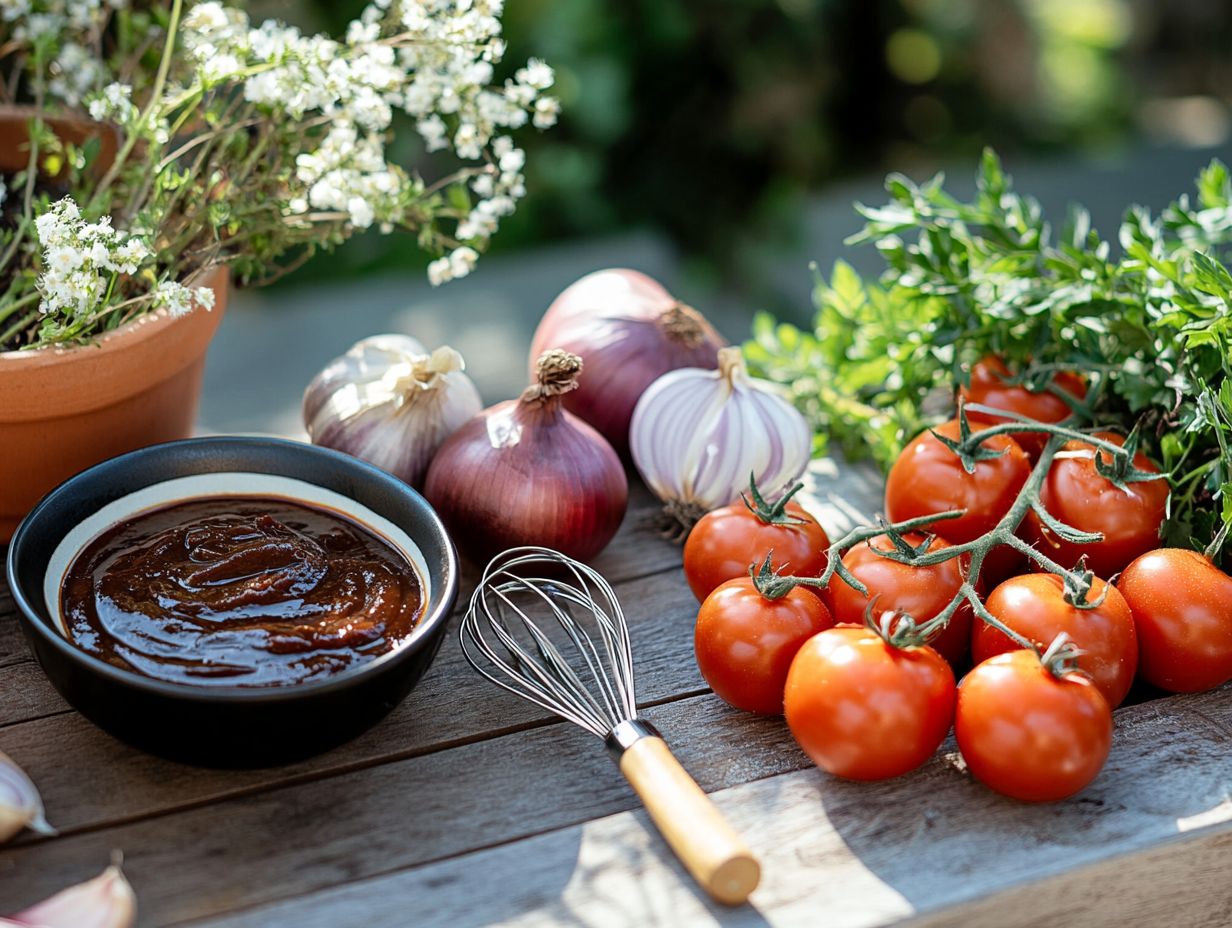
{"type": "Point", "coordinates": [506, 636]}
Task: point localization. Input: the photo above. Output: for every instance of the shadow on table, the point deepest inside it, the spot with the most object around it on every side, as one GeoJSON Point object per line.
{"type": "Point", "coordinates": [937, 838]}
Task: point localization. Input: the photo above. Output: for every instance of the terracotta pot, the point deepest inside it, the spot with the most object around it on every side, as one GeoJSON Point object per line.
{"type": "Point", "coordinates": [64, 409]}
{"type": "Point", "coordinates": [15, 137]}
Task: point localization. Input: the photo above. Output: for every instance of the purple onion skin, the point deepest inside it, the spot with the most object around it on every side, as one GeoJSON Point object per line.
{"type": "Point", "coordinates": [559, 484]}
{"type": "Point", "coordinates": [611, 319]}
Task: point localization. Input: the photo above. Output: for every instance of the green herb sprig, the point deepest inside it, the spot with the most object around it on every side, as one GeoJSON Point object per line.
{"type": "Point", "coordinates": [1148, 317]}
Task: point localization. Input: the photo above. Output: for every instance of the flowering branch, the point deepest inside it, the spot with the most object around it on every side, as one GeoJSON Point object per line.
{"type": "Point", "coordinates": [252, 146]}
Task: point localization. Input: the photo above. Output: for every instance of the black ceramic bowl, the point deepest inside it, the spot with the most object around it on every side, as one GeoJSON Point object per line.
{"type": "Point", "coordinates": [230, 726]}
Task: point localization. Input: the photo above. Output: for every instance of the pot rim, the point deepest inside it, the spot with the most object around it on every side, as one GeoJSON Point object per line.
{"type": "Point", "coordinates": [216, 277]}
{"type": "Point", "coordinates": [429, 627]}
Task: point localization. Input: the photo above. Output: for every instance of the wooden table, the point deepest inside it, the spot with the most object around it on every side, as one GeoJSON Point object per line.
{"type": "Point", "coordinates": [468, 807]}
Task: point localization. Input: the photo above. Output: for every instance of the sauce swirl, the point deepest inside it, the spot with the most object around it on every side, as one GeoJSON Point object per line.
{"type": "Point", "coordinates": [241, 591]}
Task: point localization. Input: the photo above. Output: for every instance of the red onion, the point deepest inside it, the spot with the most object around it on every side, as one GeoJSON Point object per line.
{"type": "Point", "coordinates": [629, 331]}
{"type": "Point", "coordinates": [527, 472]}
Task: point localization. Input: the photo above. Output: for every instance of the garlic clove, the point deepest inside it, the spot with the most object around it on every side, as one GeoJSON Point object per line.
{"type": "Point", "coordinates": [20, 803]}
{"type": "Point", "coordinates": [107, 901]}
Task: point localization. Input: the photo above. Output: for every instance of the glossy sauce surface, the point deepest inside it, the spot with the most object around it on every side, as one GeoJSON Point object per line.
{"type": "Point", "coordinates": [240, 591]}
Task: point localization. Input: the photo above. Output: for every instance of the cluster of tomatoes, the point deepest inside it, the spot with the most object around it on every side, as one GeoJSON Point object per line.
{"type": "Point", "coordinates": [865, 705]}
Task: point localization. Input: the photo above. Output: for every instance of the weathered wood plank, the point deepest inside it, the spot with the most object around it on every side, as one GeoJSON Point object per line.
{"type": "Point", "coordinates": [295, 839]}
{"type": "Point", "coordinates": [1183, 883]}
{"type": "Point", "coordinates": [27, 694]}
{"type": "Point", "coordinates": [451, 705]}
{"type": "Point", "coordinates": [13, 647]}
{"type": "Point", "coordinates": [852, 855]}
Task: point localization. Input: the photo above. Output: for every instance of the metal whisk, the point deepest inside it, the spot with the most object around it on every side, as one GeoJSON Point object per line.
{"type": "Point", "coordinates": [550, 629]}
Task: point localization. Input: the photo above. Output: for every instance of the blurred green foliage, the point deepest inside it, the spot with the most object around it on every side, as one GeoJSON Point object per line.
{"type": "Point", "coordinates": [710, 119]}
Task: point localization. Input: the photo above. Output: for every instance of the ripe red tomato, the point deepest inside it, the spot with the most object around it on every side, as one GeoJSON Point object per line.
{"type": "Point", "coordinates": [921, 592]}
{"type": "Point", "coordinates": [1034, 606]}
{"type": "Point", "coordinates": [929, 478]}
{"type": "Point", "coordinates": [989, 388]}
{"type": "Point", "coordinates": [1076, 494]}
{"type": "Point", "coordinates": [1028, 734]}
{"type": "Point", "coordinates": [1182, 605]}
{"type": "Point", "coordinates": [726, 541]}
{"type": "Point", "coordinates": [745, 642]}
{"type": "Point", "coordinates": [862, 709]}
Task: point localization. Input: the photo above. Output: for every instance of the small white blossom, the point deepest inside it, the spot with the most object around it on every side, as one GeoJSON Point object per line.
{"type": "Point", "coordinates": [462, 261]}
{"type": "Point", "coordinates": [439, 272]}
{"type": "Point", "coordinates": [80, 258]}
{"type": "Point", "coordinates": [114, 103]}
{"type": "Point", "coordinates": [536, 74]}
{"type": "Point", "coordinates": [513, 160]}
{"type": "Point", "coordinates": [547, 109]}
{"type": "Point", "coordinates": [432, 59]}
{"type": "Point", "coordinates": [178, 298]}
{"type": "Point", "coordinates": [361, 212]}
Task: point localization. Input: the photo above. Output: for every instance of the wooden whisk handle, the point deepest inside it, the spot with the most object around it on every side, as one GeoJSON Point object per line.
{"type": "Point", "coordinates": [706, 844]}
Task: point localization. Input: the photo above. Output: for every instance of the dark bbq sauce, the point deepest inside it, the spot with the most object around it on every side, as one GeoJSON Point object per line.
{"type": "Point", "coordinates": [240, 591]}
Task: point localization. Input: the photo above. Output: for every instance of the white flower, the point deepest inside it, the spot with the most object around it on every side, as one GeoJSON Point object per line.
{"type": "Point", "coordinates": [361, 212]}
{"type": "Point", "coordinates": [547, 109]}
{"type": "Point", "coordinates": [79, 259]}
{"type": "Point", "coordinates": [432, 130]}
{"type": "Point", "coordinates": [466, 141]}
{"type": "Point", "coordinates": [439, 272]}
{"type": "Point", "coordinates": [513, 160]}
{"type": "Point", "coordinates": [175, 296]}
{"type": "Point", "coordinates": [63, 259]}
{"type": "Point", "coordinates": [218, 68]}
{"type": "Point", "coordinates": [360, 32]}
{"type": "Point", "coordinates": [462, 261]}
{"type": "Point", "coordinates": [206, 18]}
{"type": "Point", "coordinates": [536, 74]}
{"type": "Point", "coordinates": [484, 184]}
{"type": "Point", "coordinates": [204, 297]}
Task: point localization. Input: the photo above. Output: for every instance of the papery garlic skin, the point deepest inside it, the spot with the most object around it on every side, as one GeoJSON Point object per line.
{"type": "Point", "coordinates": [20, 803]}
{"type": "Point", "coordinates": [697, 435]}
{"type": "Point", "coordinates": [389, 402]}
{"type": "Point", "coordinates": [107, 901]}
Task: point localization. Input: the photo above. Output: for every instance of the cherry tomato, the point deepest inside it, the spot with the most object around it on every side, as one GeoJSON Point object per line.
{"type": "Point", "coordinates": [1079, 496]}
{"type": "Point", "coordinates": [745, 642]}
{"type": "Point", "coordinates": [921, 592]}
{"type": "Point", "coordinates": [1029, 734]}
{"type": "Point", "coordinates": [862, 709]}
{"type": "Point", "coordinates": [1182, 605]}
{"type": "Point", "coordinates": [1034, 606]}
{"type": "Point", "coordinates": [929, 478]}
{"type": "Point", "coordinates": [726, 541]}
{"type": "Point", "coordinates": [989, 388]}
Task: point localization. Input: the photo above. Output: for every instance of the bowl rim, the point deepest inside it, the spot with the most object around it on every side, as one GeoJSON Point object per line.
{"type": "Point", "coordinates": [427, 629]}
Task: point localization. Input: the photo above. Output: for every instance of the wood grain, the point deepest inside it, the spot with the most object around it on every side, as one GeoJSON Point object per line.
{"type": "Point", "coordinates": [294, 839]}
{"type": "Point", "coordinates": [469, 807]}
{"type": "Point", "coordinates": [452, 705]}
{"type": "Point", "coordinates": [850, 855]}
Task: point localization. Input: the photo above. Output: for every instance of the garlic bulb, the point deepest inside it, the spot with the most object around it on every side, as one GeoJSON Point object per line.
{"type": "Point", "coordinates": [389, 402]}
{"type": "Point", "coordinates": [107, 901]}
{"type": "Point", "coordinates": [20, 804]}
{"type": "Point", "coordinates": [697, 435]}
